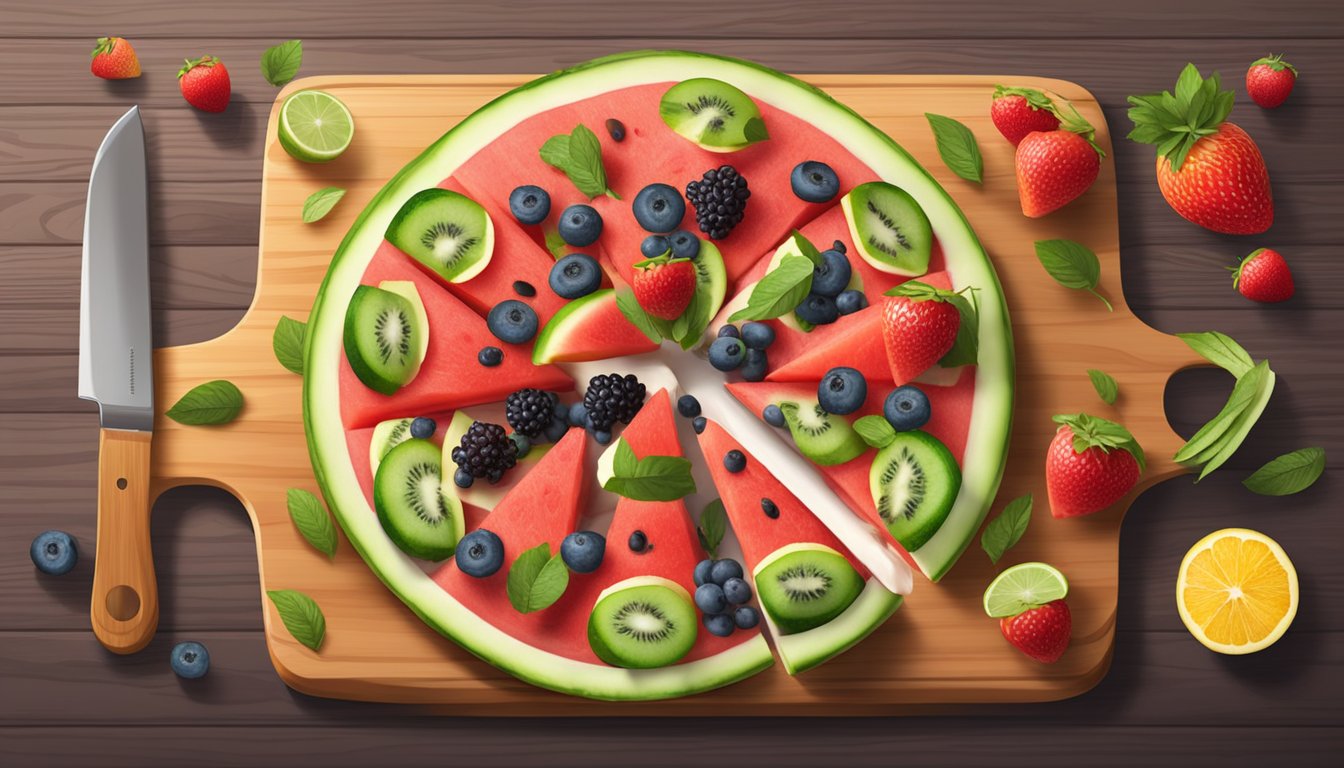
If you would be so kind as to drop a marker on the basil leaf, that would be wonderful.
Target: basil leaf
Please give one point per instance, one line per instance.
(957, 147)
(214, 402)
(875, 431)
(1289, 473)
(312, 520)
(797, 244)
(624, 462)
(536, 579)
(280, 63)
(779, 292)
(654, 478)
(585, 162)
(1105, 385)
(320, 203)
(1006, 530)
(694, 320)
(1219, 349)
(713, 525)
(966, 348)
(300, 615)
(629, 306)
(287, 343)
(555, 151)
(1072, 265)
(1209, 435)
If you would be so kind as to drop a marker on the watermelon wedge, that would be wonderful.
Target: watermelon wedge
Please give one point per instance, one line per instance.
(590, 328)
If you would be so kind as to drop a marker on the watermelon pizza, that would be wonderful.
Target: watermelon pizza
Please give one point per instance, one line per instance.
(649, 360)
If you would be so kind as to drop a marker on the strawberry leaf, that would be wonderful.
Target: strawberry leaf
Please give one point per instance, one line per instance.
(1096, 432)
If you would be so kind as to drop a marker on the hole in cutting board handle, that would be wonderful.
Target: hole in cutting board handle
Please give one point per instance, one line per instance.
(121, 483)
(123, 602)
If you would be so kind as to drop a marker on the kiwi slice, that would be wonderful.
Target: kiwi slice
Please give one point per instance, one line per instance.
(914, 481)
(823, 437)
(889, 229)
(642, 623)
(713, 114)
(408, 494)
(407, 290)
(447, 232)
(382, 338)
(386, 436)
(802, 586)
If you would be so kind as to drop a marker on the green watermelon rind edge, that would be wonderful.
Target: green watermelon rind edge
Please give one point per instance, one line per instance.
(323, 344)
(805, 650)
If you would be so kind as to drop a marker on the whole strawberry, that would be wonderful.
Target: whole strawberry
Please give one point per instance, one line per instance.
(114, 59)
(1263, 276)
(919, 327)
(1054, 168)
(1042, 633)
(1270, 80)
(205, 84)
(1017, 112)
(664, 286)
(1209, 170)
(1092, 463)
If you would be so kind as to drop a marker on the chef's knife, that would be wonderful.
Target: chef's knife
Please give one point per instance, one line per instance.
(115, 371)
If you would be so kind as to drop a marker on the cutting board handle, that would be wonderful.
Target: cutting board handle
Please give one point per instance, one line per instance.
(125, 606)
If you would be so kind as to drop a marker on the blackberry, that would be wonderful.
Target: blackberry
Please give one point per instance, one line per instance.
(720, 199)
(485, 451)
(612, 397)
(530, 411)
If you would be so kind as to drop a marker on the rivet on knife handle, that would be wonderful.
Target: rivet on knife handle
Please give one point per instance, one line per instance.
(125, 606)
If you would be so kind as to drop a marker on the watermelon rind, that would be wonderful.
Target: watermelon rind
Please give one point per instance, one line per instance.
(804, 650)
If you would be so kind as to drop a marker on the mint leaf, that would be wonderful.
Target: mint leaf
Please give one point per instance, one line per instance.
(555, 152)
(713, 525)
(280, 63)
(779, 292)
(875, 431)
(797, 244)
(579, 156)
(214, 402)
(287, 343)
(957, 147)
(312, 520)
(652, 478)
(624, 461)
(1072, 265)
(1219, 349)
(1289, 473)
(1105, 385)
(320, 203)
(1004, 531)
(1205, 441)
(629, 306)
(536, 579)
(300, 615)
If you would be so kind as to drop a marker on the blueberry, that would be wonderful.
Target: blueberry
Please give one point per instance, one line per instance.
(737, 591)
(746, 617)
(684, 244)
(480, 553)
(735, 461)
(575, 276)
(615, 129)
(463, 478)
(580, 225)
(842, 391)
(520, 444)
(831, 276)
(556, 430)
(602, 436)
(757, 335)
(702, 571)
(422, 427)
(755, 365)
(727, 353)
(54, 552)
(770, 508)
(817, 309)
(490, 356)
(814, 181)
(709, 597)
(659, 208)
(583, 551)
(190, 660)
(849, 302)
(729, 331)
(578, 414)
(529, 204)
(773, 415)
(907, 408)
(688, 406)
(512, 321)
(560, 410)
(638, 542)
(718, 624)
(654, 246)
(723, 570)
(698, 424)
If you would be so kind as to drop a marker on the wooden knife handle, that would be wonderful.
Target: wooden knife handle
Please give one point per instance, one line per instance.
(125, 609)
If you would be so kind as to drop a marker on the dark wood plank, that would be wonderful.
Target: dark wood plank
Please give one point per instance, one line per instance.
(54, 331)
(181, 276)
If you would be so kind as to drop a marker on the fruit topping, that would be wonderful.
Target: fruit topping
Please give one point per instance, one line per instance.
(383, 338)
(803, 586)
(580, 225)
(849, 302)
(530, 204)
(746, 617)
(658, 208)
(755, 365)
(907, 408)
(582, 551)
(54, 552)
(612, 398)
(773, 416)
(914, 480)
(757, 335)
(818, 310)
(485, 451)
(698, 424)
(654, 246)
(920, 325)
(684, 244)
(842, 391)
(512, 321)
(832, 275)
(422, 516)
(664, 286)
(720, 200)
(824, 438)
(490, 356)
(814, 181)
(423, 427)
(480, 554)
(734, 461)
(449, 233)
(727, 352)
(729, 331)
(888, 228)
(530, 411)
(688, 406)
(575, 276)
(642, 623)
(713, 114)
(710, 598)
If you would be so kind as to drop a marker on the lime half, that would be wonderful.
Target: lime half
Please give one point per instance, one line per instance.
(1024, 587)
(315, 126)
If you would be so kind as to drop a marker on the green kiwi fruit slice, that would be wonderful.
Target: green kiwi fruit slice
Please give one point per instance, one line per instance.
(823, 437)
(448, 232)
(803, 586)
(386, 436)
(642, 623)
(382, 338)
(713, 114)
(914, 481)
(889, 229)
(408, 496)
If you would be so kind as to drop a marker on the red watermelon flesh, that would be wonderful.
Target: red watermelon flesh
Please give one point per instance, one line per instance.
(450, 377)
(601, 333)
(742, 493)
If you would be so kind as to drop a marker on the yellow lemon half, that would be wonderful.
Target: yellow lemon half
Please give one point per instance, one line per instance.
(1236, 591)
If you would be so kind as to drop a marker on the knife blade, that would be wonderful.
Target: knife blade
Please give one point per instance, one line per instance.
(116, 371)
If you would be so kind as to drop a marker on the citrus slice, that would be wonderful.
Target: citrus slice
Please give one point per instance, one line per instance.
(1024, 587)
(315, 126)
(1236, 591)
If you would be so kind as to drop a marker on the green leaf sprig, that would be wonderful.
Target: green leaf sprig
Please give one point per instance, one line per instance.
(311, 520)
(320, 203)
(301, 615)
(579, 156)
(875, 430)
(957, 147)
(1217, 440)
(211, 403)
(652, 478)
(780, 291)
(1072, 265)
(536, 579)
(1176, 121)
(1107, 388)
(712, 527)
(287, 343)
(1288, 474)
(1004, 531)
(280, 63)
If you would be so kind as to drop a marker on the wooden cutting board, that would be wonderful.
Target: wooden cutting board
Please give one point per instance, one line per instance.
(939, 647)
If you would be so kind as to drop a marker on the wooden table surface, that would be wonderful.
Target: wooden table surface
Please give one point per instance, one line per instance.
(64, 701)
